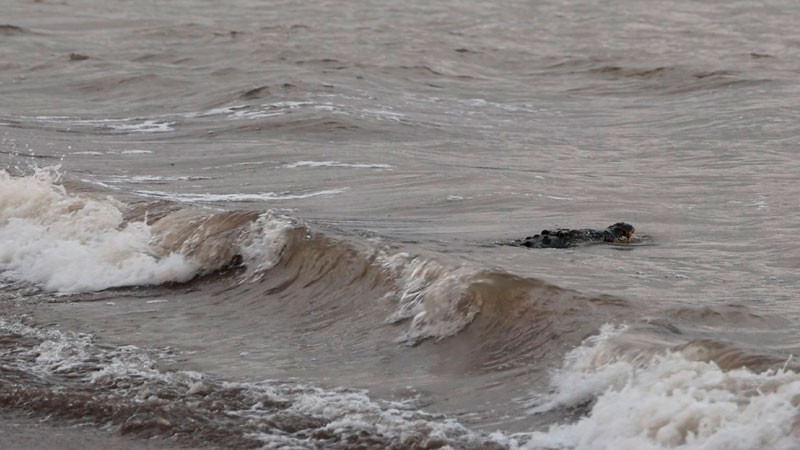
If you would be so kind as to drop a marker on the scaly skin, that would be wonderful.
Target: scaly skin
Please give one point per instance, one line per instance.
(563, 238)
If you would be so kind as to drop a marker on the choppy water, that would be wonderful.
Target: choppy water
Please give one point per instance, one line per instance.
(275, 225)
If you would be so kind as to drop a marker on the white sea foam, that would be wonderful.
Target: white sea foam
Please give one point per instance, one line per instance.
(558, 198)
(382, 114)
(154, 179)
(88, 153)
(243, 114)
(297, 164)
(208, 198)
(432, 295)
(147, 126)
(70, 243)
(668, 401)
(217, 111)
(99, 183)
(262, 247)
(65, 351)
(128, 125)
(348, 410)
(135, 152)
(250, 112)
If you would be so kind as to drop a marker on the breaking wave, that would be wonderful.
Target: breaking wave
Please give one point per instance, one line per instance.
(70, 243)
(667, 399)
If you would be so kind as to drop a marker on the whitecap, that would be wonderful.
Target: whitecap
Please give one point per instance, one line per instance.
(667, 400)
(88, 153)
(148, 126)
(70, 243)
(135, 152)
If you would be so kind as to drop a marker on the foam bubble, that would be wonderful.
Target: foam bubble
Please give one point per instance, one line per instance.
(154, 179)
(69, 243)
(148, 126)
(434, 296)
(88, 153)
(126, 125)
(262, 247)
(669, 401)
(135, 152)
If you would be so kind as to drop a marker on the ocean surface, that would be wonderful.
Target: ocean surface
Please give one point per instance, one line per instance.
(280, 224)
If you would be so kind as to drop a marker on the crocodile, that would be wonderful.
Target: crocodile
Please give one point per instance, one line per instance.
(564, 237)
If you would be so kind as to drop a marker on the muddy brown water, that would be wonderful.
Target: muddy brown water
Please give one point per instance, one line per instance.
(277, 225)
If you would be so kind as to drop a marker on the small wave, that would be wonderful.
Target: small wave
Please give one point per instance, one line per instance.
(11, 30)
(255, 92)
(258, 112)
(435, 297)
(622, 72)
(215, 111)
(675, 79)
(509, 316)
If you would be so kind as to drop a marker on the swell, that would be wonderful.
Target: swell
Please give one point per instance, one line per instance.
(334, 285)
(273, 265)
(266, 265)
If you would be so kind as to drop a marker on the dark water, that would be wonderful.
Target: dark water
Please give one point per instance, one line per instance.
(276, 225)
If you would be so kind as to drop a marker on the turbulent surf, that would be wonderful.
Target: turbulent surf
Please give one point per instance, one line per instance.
(281, 228)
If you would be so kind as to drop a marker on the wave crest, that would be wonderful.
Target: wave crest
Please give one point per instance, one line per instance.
(668, 399)
(70, 243)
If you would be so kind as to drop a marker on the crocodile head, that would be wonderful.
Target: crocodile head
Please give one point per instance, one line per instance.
(621, 232)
